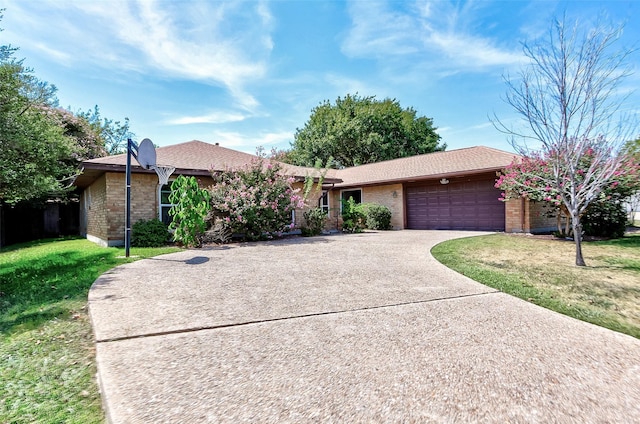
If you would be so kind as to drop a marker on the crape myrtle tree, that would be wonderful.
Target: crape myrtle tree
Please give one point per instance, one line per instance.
(358, 130)
(256, 200)
(533, 178)
(568, 100)
(632, 149)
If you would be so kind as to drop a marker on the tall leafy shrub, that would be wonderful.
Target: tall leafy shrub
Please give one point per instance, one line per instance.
(256, 200)
(315, 219)
(605, 218)
(191, 206)
(353, 218)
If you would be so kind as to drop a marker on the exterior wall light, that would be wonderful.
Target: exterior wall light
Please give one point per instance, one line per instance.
(444, 181)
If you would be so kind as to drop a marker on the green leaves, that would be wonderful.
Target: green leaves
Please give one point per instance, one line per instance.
(256, 201)
(191, 206)
(358, 130)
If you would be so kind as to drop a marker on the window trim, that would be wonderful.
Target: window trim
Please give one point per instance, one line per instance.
(322, 205)
(347, 190)
(160, 204)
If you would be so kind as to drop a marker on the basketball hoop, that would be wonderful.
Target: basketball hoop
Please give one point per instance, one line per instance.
(164, 172)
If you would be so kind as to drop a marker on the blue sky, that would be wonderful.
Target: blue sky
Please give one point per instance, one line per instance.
(248, 73)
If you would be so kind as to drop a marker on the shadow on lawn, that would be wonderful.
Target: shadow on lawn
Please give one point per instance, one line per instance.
(35, 291)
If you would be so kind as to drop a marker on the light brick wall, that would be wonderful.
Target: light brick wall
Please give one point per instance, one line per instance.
(144, 202)
(382, 195)
(539, 223)
(105, 204)
(390, 196)
(94, 204)
(312, 202)
(516, 216)
(522, 215)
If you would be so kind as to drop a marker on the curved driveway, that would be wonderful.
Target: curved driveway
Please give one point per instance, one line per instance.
(345, 328)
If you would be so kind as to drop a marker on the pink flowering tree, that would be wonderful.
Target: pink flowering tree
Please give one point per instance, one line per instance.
(593, 181)
(256, 200)
(572, 110)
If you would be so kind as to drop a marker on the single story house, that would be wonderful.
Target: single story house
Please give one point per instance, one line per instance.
(443, 190)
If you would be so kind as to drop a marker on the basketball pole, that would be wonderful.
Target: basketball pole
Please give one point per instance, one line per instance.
(132, 149)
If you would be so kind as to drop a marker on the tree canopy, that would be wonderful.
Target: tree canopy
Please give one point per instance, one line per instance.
(358, 130)
(34, 152)
(114, 134)
(42, 144)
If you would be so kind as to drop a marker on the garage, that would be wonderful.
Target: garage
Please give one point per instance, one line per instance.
(463, 204)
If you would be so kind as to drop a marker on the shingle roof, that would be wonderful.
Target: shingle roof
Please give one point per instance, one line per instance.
(200, 157)
(195, 154)
(471, 160)
(190, 158)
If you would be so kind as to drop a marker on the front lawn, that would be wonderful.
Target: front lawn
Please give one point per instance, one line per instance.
(47, 358)
(542, 271)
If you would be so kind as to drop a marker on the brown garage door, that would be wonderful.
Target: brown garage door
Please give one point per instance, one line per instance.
(459, 205)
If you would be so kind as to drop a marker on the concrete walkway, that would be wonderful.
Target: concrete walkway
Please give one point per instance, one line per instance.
(345, 328)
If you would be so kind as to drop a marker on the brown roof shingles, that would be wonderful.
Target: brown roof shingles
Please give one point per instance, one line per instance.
(471, 160)
(196, 155)
(201, 157)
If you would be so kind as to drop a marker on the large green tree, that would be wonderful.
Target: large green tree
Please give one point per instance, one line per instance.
(114, 134)
(357, 130)
(34, 152)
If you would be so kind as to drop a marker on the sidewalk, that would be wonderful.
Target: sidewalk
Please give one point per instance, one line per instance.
(357, 328)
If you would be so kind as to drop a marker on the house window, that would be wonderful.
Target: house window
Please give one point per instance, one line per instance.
(323, 202)
(165, 205)
(356, 194)
(346, 194)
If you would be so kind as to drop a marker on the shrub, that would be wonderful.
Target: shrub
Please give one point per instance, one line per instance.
(191, 206)
(255, 200)
(605, 219)
(149, 233)
(353, 218)
(377, 217)
(314, 219)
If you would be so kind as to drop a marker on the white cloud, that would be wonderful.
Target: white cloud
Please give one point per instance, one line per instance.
(437, 35)
(210, 42)
(249, 142)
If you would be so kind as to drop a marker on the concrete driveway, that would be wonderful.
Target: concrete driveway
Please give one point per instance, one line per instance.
(345, 328)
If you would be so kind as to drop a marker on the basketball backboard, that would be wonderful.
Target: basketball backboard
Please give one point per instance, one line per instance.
(146, 156)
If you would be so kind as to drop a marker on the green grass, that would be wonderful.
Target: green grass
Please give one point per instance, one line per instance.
(47, 365)
(542, 271)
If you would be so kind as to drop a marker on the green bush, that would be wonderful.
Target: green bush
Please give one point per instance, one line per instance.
(315, 219)
(377, 217)
(189, 211)
(353, 218)
(149, 233)
(605, 219)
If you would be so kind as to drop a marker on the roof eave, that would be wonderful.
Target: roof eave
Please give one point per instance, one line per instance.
(420, 178)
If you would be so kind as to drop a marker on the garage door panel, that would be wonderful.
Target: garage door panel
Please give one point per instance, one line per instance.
(467, 205)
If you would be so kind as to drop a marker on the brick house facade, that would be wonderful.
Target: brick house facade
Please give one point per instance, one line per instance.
(442, 190)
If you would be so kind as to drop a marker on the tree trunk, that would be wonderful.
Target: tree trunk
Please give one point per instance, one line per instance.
(577, 237)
